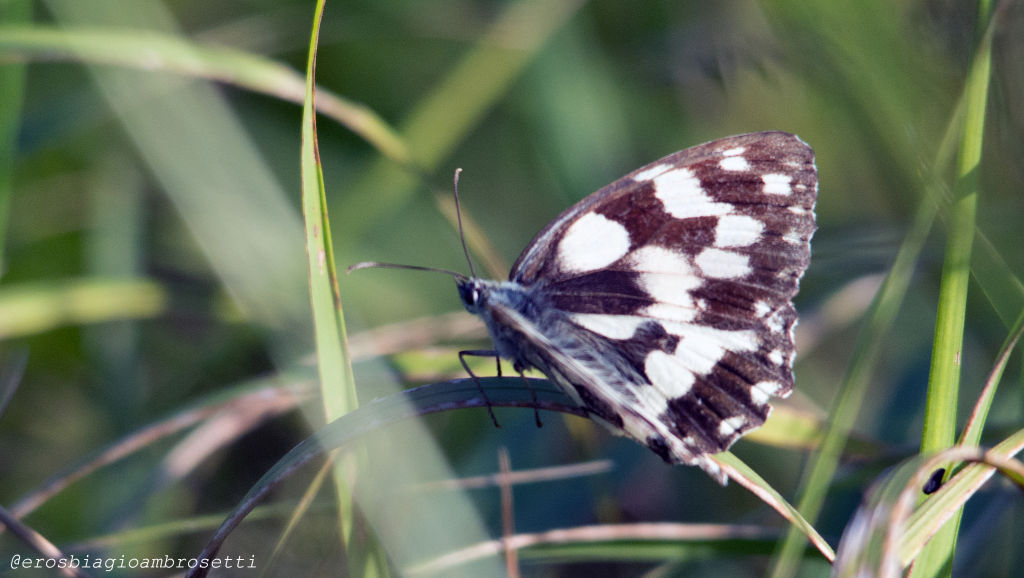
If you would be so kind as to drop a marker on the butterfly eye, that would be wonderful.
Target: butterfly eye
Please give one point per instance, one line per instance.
(470, 293)
(472, 296)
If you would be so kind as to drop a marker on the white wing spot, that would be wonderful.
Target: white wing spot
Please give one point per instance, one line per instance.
(775, 356)
(683, 196)
(731, 425)
(610, 326)
(666, 312)
(671, 289)
(699, 349)
(592, 242)
(721, 264)
(735, 151)
(776, 184)
(737, 231)
(668, 374)
(734, 164)
(763, 391)
(658, 259)
(665, 275)
(648, 174)
(762, 308)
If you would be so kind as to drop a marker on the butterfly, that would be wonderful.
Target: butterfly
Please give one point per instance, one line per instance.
(662, 303)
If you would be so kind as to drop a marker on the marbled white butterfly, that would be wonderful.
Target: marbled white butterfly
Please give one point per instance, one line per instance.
(662, 302)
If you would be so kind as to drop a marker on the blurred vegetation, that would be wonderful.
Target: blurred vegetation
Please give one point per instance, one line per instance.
(154, 286)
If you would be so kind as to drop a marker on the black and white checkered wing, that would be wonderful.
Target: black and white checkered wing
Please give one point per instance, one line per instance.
(665, 297)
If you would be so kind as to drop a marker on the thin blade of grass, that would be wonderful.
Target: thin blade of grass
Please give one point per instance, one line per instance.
(12, 93)
(882, 537)
(202, 158)
(748, 478)
(944, 504)
(170, 528)
(267, 393)
(31, 308)
(517, 477)
(944, 379)
(870, 81)
(609, 542)
(476, 83)
(153, 51)
(971, 435)
(870, 341)
(997, 279)
(12, 369)
(114, 249)
(40, 544)
(337, 383)
(301, 508)
(336, 379)
(445, 396)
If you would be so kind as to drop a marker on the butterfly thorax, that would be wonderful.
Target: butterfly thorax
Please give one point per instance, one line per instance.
(481, 297)
(527, 330)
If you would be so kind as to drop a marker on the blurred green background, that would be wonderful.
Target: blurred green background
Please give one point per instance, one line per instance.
(152, 258)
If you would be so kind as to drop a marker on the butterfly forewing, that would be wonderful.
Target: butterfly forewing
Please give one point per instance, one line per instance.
(663, 301)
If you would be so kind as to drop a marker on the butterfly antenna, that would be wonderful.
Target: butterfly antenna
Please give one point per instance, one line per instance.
(458, 217)
(379, 265)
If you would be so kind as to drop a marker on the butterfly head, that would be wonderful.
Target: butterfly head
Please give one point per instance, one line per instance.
(471, 291)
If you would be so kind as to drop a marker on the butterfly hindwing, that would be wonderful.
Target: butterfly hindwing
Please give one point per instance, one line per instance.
(662, 302)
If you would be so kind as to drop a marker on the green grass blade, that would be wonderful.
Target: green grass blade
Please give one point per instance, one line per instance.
(341, 433)
(476, 83)
(612, 543)
(869, 344)
(336, 380)
(940, 416)
(886, 528)
(337, 383)
(12, 91)
(31, 308)
(385, 412)
(943, 384)
(278, 393)
(946, 503)
(201, 157)
(976, 423)
(157, 52)
(743, 474)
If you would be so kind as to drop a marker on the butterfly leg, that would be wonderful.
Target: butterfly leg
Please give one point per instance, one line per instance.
(476, 380)
(533, 394)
